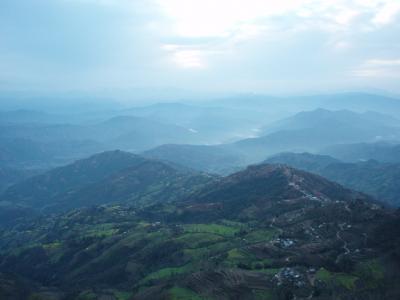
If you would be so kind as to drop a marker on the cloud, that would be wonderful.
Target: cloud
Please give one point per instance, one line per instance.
(222, 18)
(387, 14)
(379, 68)
(198, 44)
(209, 18)
(229, 23)
(187, 57)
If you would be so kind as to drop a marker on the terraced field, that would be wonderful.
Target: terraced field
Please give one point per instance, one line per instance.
(335, 245)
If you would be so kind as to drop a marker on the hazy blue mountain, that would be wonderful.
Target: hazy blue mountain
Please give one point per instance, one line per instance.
(380, 151)
(360, 102)
(9, 176)
(137, 134)
(305, 131)
(353, 101)
(27, 116)
(283, 106)
(378, 123)
(212, 159)
(15, 150)
(103, 131)
(42, 132)
(225, 120)
(304, 161)
(56, 144)
(313, 130)
(381, 180)
(22, 153)
(214, 124)
(13, 215)
(56, 103)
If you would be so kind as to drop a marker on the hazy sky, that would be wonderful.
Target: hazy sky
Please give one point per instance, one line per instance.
(204, 45)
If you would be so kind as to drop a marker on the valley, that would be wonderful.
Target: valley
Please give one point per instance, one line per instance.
(178, 218)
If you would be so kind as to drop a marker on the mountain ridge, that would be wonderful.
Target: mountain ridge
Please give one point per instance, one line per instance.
(378, 179)
(89, 181)
(297, 235)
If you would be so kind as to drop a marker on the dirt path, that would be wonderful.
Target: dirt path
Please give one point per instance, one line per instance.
(345, 244)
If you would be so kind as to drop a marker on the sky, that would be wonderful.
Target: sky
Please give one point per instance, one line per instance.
(261, 46)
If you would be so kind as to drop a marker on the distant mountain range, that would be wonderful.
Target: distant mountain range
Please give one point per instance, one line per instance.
(380, 151)
(335, 119)
(27, 116)
(359, 102)
(47, 145)
(108, 131)
(305, 131)
(273, 124)
(313, 130)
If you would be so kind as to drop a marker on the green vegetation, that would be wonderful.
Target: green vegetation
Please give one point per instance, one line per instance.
(166, 273)
(123, 252)
(346, 280)
(198, 239)
(262, 235)
(371, 272)
(223, 230)
(197, 253)
(207, 251)
(236, 254)
(102, 232)
(323, 275)
(179, 293)
(52, 246)
(87, 295)
(90, 295)
(263, 295)
(123, 295)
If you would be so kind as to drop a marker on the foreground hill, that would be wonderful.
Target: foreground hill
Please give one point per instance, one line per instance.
(113, 176)
(250, 193)
(381, 180)
(268, 232)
